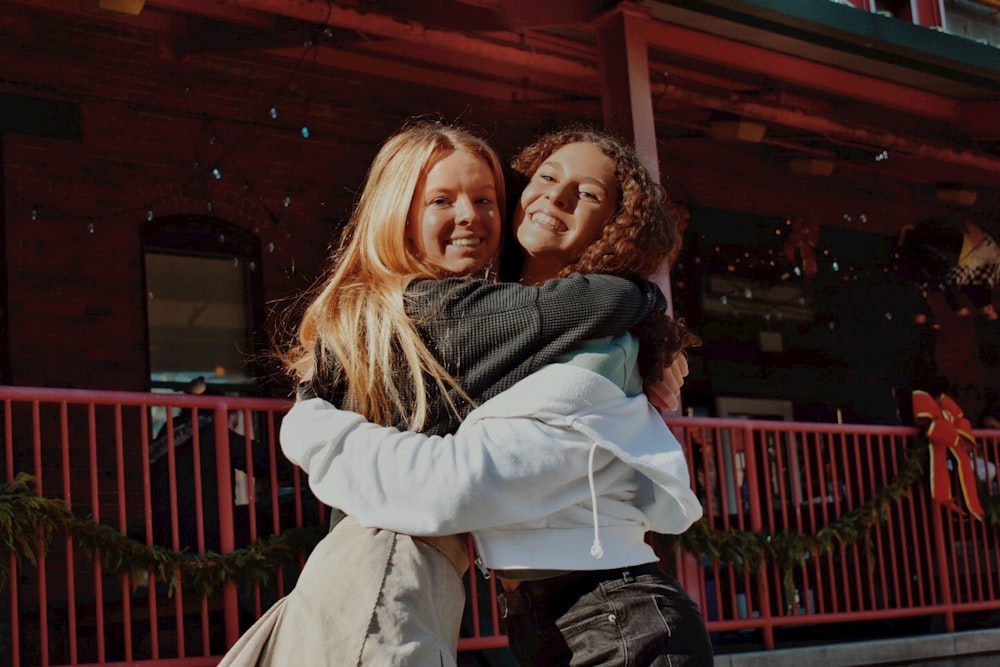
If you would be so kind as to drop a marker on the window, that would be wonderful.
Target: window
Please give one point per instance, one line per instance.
(202, 305)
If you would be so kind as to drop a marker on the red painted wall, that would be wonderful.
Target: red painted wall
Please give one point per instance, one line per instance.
(152, 121)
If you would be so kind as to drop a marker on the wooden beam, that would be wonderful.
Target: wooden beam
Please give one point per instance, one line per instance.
(216, 11)
(387, 27)
(791, 69)
(987, 165)
(539, 14)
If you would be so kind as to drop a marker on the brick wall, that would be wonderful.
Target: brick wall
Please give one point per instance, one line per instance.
(153, 123)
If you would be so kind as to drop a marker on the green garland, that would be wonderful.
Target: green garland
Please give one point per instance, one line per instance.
(789, 549)
(28, 521)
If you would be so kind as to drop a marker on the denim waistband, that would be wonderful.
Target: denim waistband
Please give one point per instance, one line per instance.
(520, 600)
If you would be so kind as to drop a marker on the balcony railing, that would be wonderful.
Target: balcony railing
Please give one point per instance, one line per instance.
(806, 527)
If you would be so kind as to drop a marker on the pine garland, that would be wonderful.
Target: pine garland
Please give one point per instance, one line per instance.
(789, 549)
(28, 521)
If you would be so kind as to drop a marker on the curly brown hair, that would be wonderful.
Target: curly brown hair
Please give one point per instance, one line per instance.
(643, 234)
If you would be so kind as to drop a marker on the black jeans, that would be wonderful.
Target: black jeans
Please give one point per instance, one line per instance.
(630, 617)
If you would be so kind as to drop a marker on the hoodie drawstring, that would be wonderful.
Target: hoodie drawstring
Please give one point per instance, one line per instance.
(596, 550)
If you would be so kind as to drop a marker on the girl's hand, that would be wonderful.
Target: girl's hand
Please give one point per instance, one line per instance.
(666, 394)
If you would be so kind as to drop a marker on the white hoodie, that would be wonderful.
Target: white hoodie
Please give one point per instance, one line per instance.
(522, 473)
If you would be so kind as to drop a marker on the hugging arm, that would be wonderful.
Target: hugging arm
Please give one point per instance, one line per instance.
(435, 485)
(492, 335)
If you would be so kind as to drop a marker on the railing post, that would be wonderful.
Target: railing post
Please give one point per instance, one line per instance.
(227, 537)
(691, 576)
(688, 568)
(756, 493)
(941, 552)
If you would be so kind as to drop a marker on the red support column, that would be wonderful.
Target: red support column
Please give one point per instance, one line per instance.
(626, 98)
(627, 103)
(928, 13)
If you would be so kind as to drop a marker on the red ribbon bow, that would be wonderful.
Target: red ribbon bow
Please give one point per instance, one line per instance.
(948, 431)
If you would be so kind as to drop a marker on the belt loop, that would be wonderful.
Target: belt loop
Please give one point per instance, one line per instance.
(513, 603)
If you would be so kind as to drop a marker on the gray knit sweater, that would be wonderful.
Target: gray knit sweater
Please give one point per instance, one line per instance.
(491, 335)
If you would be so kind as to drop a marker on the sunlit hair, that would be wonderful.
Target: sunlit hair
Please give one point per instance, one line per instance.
(642, 235)
(355, 333)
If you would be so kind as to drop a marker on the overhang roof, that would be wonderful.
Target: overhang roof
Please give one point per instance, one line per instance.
(897, 108)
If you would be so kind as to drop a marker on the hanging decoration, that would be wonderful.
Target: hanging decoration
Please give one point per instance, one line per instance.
(801, 241)
(962, 261)
(948, 430)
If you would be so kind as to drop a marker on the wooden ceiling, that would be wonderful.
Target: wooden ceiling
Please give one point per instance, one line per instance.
(893, 122)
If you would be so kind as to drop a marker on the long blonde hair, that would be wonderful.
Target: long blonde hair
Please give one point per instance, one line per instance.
(355, 333)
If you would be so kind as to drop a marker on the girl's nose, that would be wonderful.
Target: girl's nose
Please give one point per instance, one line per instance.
(559, 195)
(465, 211)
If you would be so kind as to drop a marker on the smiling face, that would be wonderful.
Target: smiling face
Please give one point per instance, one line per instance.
(455, 221)
(571, 196)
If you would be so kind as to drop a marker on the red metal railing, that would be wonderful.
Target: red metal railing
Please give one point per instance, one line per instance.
(100, 453)
(790, 480)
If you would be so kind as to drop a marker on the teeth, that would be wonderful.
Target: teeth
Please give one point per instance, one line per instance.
(548, 221)
(466, 242)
